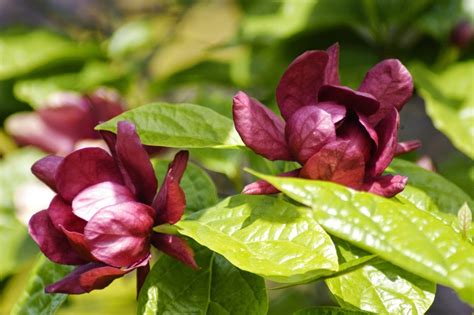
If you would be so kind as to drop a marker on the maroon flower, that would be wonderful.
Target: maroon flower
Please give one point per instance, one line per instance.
(103, 215)
(335, 133)
(67, 118)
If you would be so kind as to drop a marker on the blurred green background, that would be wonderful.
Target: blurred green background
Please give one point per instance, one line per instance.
(203, 52)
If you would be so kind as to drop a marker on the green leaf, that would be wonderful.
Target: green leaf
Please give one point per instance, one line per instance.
(465, 219)
(180, 126)
(12, 236)
(25, 52)
(264, 235)
(216, 288)
(198, 187)
(329, 310)
(380, 287)
(449, 101)
(402, 234)
(447, 196)
(34, 300)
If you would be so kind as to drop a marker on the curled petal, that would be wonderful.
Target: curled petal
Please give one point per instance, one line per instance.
(391, 83)
(89, 201)
(51, 241)
(170, 202)
(61, 215)
(308, 130)
(30, 129)
(134, 163)
(118, 235)
(84, 168)
(359, 101)
(332, 69)
(407, 146)
(175, 247)
(178, 165)
(386, 186)
(46, 169)
(260, 129)
(86, 278)
(370, 130)
(262, 187)
(337, 162)
(337, 111)
(387, 133)
(105, 104)
(79, 243)
(299, 85)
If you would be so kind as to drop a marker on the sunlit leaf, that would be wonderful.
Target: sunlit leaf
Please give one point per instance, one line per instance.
(330, 310)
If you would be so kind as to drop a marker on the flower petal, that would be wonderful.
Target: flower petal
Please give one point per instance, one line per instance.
(134, 163)
(175, 247)
(52, 242)
(86, 278)
(170, 202)
(30, 129)
(260, 129)
(61, 215)
(407, 146)
(299, 85)
(391, 84)
(178, 165)
(368, 127)
(337, 111)
(105, 104)
(332, 69)
(79, 243)
(118, 235)
(84, 168)
(387, 186)
(387, 133)
(261, 187)
(308, 130)
(337, 162)
(359, 101)
(46, 170)
(89, 201)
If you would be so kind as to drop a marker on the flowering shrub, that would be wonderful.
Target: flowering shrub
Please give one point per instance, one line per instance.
(337, 134)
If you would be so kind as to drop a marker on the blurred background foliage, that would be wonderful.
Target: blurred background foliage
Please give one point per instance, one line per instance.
(203, 52)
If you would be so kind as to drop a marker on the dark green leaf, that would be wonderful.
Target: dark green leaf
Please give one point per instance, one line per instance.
(402, 234)
(264, 235)
(198, 187)
(329, 310)
(216, 288)
(180, 126)
(34, 301)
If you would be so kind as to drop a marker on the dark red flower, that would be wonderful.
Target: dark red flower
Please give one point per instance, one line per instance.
(67, 118)
(335, 133)
(103, 215)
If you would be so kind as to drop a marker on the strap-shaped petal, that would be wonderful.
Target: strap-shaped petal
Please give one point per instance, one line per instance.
(261, 187)
(175, 247)
(299, 85)
(170, 203)
(52, 242)
(332, 68)
(388, 136)
(46, 170)
(84, 168)
(386, 186)
(308, 130)
(260, 129)
(118, 235)
(407, 146)
(86, 278)
(391, 84)
(134, 163)
(358, 101)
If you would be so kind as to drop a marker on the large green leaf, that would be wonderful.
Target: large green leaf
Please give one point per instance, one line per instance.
(34, 301)
(449, 101)
(264, 235)
(24, 52)
(381, 288)
(216, 288)
(198, 187)
(179, 125)
(447, 196)
(330, 310)
(402, 234)
(12, 236)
